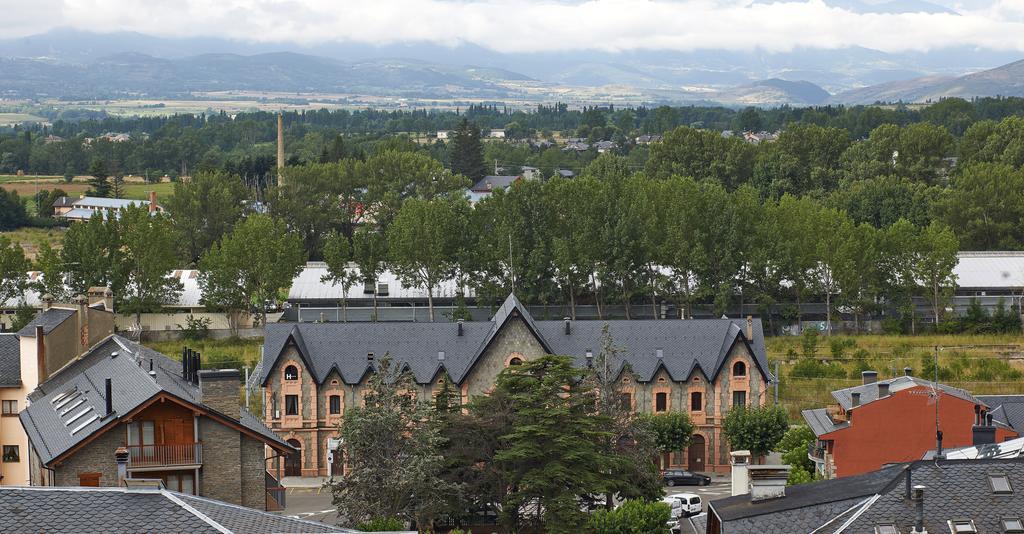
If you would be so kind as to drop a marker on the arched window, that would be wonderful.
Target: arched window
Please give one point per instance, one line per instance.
(291, 373)
(739, 369)
(515, 361)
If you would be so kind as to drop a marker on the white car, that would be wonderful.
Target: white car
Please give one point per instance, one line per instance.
(683, 505)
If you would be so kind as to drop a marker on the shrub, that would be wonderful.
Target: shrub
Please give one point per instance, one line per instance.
(381, 524)
(632, 517)
(196, 328)
(839, 345)
(809, 343)
(859, 367)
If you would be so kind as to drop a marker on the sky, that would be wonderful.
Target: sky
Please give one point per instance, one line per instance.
(515, 26)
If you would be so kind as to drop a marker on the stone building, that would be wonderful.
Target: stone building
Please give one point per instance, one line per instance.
(168, 420)
(313, 372)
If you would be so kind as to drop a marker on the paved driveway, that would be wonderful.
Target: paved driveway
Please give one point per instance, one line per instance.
(720, 487)
(310, 504)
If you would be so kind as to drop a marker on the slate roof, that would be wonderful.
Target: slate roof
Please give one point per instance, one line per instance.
(10, 360)
(495, 182)
(869, 392)
(49, 319)
(686, 345)
(53, 433)
(821, 423)
(119, 510)
(954, 489)
(1006, 409)
(1011, 448)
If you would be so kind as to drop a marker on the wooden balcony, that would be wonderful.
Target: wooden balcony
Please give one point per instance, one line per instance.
(177, 454)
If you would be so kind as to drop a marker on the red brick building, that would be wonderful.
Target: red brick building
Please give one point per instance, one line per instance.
(887, 421)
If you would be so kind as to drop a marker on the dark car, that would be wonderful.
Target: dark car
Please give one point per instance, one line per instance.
(678, 477)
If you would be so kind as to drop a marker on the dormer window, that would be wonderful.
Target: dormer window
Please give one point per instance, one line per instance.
(291, 373)
(739, 369)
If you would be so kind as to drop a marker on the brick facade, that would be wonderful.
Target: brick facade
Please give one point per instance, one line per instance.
(313, 426)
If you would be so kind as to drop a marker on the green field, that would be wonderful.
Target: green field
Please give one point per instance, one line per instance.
(30, 239)
(981, 364)
(11, 119)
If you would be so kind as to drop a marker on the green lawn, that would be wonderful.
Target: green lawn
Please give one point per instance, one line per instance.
(141, 191)
(217, 353)
(18, 118)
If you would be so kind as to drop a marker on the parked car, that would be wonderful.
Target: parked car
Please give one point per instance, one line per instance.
(678, 477)
(683, 505)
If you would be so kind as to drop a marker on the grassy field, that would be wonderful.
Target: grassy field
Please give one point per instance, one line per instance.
(981, 364)
(217, 353)
(30, 239)
(11, 119)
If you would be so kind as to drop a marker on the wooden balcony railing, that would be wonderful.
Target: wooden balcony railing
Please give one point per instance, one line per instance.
(165, 455)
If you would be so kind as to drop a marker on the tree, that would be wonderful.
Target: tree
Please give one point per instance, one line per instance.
(756, 429)
(204, 208)
(984, 206)
(12, 210)
(672, 430)
(423, 241)
(148, 255)
(552, 453)
(793, 446)
(370, 252)
(13, 269)
(938, 248)
(392, 451)
(317, 199)
(631, 441)
(53, 272)
(338, 255)
(91, 255)
(467, 155)
(248, 266)
(392, 177)
(99, 184)
(633, 516)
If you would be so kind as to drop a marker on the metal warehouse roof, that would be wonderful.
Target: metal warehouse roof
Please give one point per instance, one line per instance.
(308, 285)
(990, 269)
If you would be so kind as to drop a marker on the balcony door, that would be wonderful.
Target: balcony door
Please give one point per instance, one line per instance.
(141, 438)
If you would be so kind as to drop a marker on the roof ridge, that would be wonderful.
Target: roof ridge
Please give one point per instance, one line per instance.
(199, 515)
(224, 504)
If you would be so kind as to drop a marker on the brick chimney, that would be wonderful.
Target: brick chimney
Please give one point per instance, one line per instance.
(750, 327)
(41, 354)
(152, 201)
(983, 432)
(280, 142)
(220, 389)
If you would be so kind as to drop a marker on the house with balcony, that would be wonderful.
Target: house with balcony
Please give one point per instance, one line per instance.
(179, 424)
(900, 419)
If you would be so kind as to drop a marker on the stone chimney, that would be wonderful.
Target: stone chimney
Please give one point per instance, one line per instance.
(750, 328)
(740, 462)
(855, 399)
(768, 482)
(121, 457)
(152, 201)
(918, 497)
(47, 301)
(869, 377)
(102, 294)
(41, 353)
(883, 389)
(82, 317)
(220, 389)
(907, 371)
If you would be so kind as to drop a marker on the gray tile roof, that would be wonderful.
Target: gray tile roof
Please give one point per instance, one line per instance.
(820, 422)
(10, 360)
(1011, 448)
(686, 345)
(869, 392)
(954, 489)
(51, 432)
(495, 183)
(49, 319)
(1006, 409)
(117, 510)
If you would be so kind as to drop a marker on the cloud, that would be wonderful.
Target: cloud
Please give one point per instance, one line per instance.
(535, 25)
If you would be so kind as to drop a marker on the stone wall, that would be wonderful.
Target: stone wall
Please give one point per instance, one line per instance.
(96, 457)
(253, 466)
(221, 462)
(514, 338)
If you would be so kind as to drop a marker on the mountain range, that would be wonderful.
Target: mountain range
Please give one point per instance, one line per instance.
(74, 64)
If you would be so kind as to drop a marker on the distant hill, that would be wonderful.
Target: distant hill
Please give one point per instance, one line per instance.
(136, 73)
(774, 92)
(1007, 80)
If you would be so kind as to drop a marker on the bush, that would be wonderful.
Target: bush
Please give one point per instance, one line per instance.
(859, 367)
(809, 342)
(632, 517)
(381, 524)
(839, 345)
(196, 328)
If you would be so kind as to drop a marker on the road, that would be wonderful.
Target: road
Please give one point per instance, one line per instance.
(719, 488)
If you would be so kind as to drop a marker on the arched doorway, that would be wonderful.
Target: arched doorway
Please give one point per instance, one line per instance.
(695, 454)
(293, 462)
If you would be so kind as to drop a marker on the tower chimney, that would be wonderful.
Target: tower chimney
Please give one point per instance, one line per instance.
(152, 201)
(280, 146)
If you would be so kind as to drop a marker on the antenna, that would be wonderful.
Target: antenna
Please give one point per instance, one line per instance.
(511, 266)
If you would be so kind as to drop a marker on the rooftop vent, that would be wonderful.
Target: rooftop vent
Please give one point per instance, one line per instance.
(855, 398)
(883, 389)
(440, 355)
(460, 326)
(907, 371)
(369, 356)
(869, 377)
(568, 327)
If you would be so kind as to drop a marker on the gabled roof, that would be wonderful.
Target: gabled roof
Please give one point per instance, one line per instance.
(1006, 409)
(10, 360)
(49, 319)
(73, 510)
(869, 392)
(54, 429)
(954, 490)
(686, 346)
